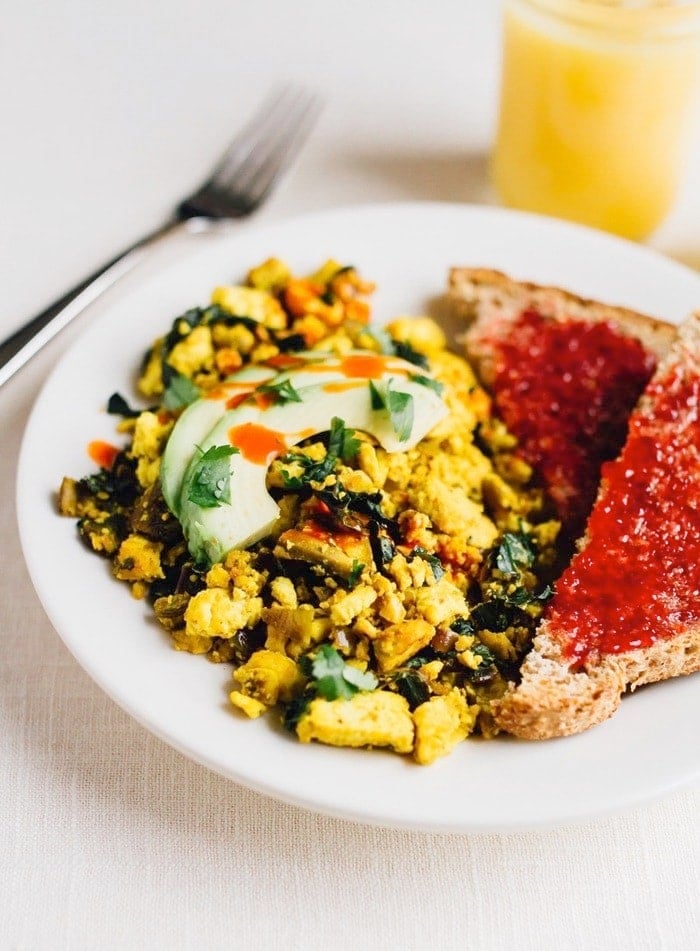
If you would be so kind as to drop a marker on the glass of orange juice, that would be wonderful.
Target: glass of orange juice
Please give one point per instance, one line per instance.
(598, 99)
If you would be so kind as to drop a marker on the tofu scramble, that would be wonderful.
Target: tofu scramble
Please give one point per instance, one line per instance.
(392, 589)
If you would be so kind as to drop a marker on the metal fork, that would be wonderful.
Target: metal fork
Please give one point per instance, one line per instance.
(246, 174)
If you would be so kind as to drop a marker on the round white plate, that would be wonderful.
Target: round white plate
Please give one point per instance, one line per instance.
(647, 749)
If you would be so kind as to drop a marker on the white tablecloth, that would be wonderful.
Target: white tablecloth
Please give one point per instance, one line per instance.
(108, 838)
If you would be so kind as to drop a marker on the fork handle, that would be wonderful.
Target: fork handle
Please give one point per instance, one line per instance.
(25, 342)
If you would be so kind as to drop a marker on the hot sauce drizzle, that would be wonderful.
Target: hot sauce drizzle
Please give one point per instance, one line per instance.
(368, 366)
(638, 579)
(565, 390)
(102, 453)
(257, 443)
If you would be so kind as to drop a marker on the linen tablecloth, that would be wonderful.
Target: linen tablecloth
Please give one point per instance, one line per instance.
(109, 838)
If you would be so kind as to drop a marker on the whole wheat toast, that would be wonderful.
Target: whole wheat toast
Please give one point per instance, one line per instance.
(560, 692)
(494, 307)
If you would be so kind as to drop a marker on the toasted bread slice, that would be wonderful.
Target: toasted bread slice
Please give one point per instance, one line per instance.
(565, 373)
(491, 301)
(626, 612)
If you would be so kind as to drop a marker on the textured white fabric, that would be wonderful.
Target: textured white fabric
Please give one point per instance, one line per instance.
(108, 838)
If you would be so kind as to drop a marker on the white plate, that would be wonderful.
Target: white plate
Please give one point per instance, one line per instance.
(647, 749)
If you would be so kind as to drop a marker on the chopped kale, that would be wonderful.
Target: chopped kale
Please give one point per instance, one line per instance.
(183, 325)
(514, 553)
(522, 596)
(412, 687)
(116, 486)
(498, 615)
(118, 406)
(462, 625)
(433, 561)
(342, 444)
(295, 710)
(383, 549)
(403, 349)
(288, 343)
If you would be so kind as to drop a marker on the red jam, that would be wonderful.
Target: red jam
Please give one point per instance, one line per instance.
(638, 579)
(565, 390)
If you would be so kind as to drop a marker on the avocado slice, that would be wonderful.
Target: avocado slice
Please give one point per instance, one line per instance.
(196, 421)
(259, 433)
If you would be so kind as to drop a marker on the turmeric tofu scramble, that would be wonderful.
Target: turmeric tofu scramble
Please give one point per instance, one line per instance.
(331, 509)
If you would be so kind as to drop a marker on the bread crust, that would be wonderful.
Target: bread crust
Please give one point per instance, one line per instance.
(489, 301)
(554, 699)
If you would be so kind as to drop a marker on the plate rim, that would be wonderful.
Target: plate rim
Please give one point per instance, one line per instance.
(257, 229)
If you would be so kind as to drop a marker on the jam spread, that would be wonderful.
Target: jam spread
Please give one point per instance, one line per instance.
(565, 390)
(638, 579)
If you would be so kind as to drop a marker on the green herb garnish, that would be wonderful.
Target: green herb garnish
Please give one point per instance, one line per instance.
(283, 392)
(427, 381)
(342, 444)
(399, 405)
(377, 399)
(211, 482)
(180, 391)
(355, 573)
(334, 679)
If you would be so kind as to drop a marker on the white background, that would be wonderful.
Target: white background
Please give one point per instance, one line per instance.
(109, 113)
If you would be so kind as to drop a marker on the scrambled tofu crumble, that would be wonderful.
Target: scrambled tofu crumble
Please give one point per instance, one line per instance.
(397, 593)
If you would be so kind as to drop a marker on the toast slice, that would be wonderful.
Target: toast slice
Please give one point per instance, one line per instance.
(564, 372)
(626, 611)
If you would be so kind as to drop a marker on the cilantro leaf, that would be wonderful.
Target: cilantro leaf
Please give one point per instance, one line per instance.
(342, 443)
(335, 679)
(514, 552)
(180, 391)
(211, 485)
(428, 381)
(399, 405)
(283, 392)
(376, 397)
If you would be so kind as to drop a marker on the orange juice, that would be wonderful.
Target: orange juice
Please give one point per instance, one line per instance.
(597, 100)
